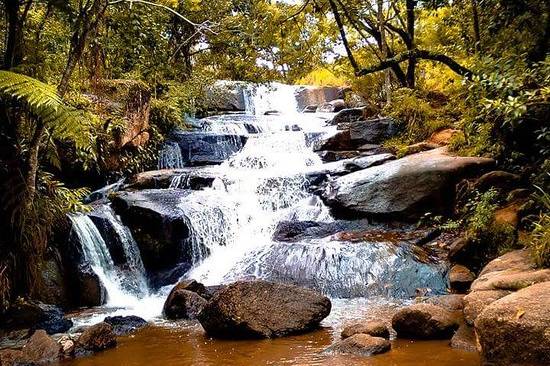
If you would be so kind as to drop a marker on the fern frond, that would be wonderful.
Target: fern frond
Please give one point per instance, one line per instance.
(42, 101)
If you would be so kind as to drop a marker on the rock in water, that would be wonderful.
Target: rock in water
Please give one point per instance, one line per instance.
(36, 315)
(425, 321)
(41, 349)
(477, 301)
(124, 325)
(406, 187)
(515, 330)
(372, 328)
(183, 304)
(96, 338)
(261, 309)
(360, 345)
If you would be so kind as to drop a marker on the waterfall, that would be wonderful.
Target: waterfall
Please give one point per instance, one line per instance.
(170, 156)
(96, 253)
(263, 98)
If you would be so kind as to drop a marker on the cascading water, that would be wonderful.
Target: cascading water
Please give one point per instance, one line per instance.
(170, 156)
(231, 222)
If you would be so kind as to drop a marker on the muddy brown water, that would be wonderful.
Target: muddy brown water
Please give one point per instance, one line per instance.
(185, 345)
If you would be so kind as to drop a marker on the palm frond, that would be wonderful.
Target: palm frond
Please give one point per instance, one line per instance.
(42, 101)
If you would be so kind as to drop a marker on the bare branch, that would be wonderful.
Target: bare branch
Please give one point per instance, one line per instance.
(418, 54)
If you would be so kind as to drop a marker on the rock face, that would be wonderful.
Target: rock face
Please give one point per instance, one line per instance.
(425, 321)
(261, 309)
(360, 345)
(372, 328)
(204, 148)
(91, 291)
(464, 339)
(406, 187)
(193, 177)
(183, 304)
(226, 96)
(460, 278)
(313, 95)
(449, 302)
(53, 287)
(515, 329)
(477, 301)
(124, 325)
(348, 115)
(96, 338)
(333, 106)
(157, 224)
(36, 315)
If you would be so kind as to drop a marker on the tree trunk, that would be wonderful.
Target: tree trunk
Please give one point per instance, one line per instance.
(475, 23)
(411, 5)
(33, 163)
(384, 49)
(343, 35)
(87, 21)
(14, 40)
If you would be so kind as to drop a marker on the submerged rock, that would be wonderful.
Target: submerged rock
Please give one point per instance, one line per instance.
(515, 329)
(124, 325)
(360, 345)
(406, 187)
(98, 337)
(261, 309)
(425, 321)
(372, 328)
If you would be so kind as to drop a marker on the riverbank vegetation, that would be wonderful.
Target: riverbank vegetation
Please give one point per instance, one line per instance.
(75, 73)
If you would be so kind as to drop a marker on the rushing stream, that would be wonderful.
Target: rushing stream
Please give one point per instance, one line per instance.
(261, 182)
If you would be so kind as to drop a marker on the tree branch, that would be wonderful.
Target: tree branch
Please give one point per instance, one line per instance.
(418, 54)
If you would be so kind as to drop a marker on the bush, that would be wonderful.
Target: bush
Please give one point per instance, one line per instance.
(540, 237)
(166, 115)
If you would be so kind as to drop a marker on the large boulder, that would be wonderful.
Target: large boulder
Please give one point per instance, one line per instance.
(372, 328)
(460, 278)
(96, 338)
(35, 315)
(261, 309)
(158, 224)
(452, 302)
(360, 345)
(348, 115)
(52, 287)
(40, 349)
(191, 178)
(205, 148)
(333, 106)
(183, 304)
(406, 187)
(90, 289)
(373, 131)
(475, 302)
(226, 96)
(514, 330)
(464, 339)
(315, 95)
(425, 321)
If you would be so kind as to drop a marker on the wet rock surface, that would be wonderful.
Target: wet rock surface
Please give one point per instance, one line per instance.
(425, 321)
(360, 345)
(514, 329)
(204, 148)
(183, 304)
(261, 309)
(372, 328)
(98, 337)
(405, 188)
(124, 325)
(35, 315)
(464, 339)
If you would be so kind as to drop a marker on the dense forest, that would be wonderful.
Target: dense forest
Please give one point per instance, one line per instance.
(91, 90)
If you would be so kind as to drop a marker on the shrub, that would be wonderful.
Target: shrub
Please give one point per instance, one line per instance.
(540, 237)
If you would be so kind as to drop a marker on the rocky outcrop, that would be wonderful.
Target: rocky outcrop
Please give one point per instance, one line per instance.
(206, 148)
(261, 309)
(53, 286)
(514, 330)
(124, 325)
(425, 321)
(354, 135)
(90, 290)
(405, 188)
(190, 178)
(450, 302)
(40, 349)
(35, 315)
(98, 337)
(360, 345)
(372, 328)
(315, 95)
(226, 96)
(157, 223)
(333, 106)
(477, 301)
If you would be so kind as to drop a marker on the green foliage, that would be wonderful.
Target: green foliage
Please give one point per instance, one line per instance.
(42, 101)
(322, 77)
(540, 237)
(419, 115)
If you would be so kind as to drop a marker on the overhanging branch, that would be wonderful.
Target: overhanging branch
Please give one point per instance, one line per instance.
(418, 54)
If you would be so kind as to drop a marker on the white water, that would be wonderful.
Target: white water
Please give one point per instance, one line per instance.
(170, 156)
